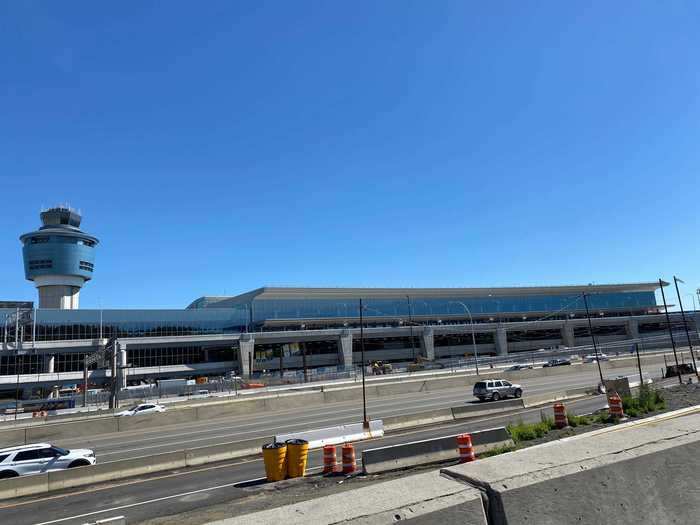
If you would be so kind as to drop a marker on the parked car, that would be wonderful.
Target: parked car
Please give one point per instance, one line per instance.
(592, 358)
(143, 408)
(517, 367)
(41, 457)
(495, 389)
(556, 362)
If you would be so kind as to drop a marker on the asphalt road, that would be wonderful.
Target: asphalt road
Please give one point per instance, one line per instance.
(176, 492)
(111, 447)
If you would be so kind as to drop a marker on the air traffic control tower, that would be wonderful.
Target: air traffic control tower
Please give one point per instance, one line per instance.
(59, 258)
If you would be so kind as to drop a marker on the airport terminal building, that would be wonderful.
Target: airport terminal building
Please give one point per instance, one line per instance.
(291, 329)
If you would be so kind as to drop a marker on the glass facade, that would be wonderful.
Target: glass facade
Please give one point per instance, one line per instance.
(271, 309)
(53, 325)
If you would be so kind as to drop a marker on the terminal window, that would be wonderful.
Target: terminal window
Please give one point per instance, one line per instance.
(87, 266)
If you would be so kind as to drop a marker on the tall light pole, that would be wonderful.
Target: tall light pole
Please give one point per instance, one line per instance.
(693, 298)
(471, 323)
(595, 346)
(676, 280)
(670, 329)
(365, 421)
(410, 323)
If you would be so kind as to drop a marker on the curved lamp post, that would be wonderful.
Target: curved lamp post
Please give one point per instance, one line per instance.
(471, 323)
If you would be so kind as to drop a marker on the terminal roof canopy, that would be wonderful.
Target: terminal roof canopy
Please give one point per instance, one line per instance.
(394, 293)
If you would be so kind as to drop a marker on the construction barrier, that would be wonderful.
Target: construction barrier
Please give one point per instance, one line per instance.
(349, 464)
(275, 458)
(329, 459)
(427, 451)
(465, 447)
(560, 420)
(297, 454)
(615, 404)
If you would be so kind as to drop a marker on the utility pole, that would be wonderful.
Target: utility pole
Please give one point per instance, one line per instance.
(595, 346)
(365, 421)
(676, 280)
(670, 330)
(410, 323)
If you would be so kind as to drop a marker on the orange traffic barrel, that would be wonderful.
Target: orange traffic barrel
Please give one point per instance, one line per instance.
(275, 459)
(560, 420)
(348, 458)
(329, 459)
(297, 455)
(615, 404)
(466, 450)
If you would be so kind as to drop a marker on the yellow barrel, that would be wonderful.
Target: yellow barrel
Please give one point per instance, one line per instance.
(297, 454)
(275, 458)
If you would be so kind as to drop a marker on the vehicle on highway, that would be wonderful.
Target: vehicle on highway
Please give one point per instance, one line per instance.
(143, 408)
(202, 393)
(41, 457)
(517, 367)
(592, 358)
(495, 389)
(556, 362)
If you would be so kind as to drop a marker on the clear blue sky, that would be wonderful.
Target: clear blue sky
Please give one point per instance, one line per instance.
(218, 146)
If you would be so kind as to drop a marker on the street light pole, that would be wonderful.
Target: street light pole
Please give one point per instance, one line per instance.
(670, 329)
(365, 422)
(471, 323)
(676, 280)
(595, 346)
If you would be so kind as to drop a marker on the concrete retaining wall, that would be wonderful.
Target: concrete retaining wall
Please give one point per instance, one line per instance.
(428, 451)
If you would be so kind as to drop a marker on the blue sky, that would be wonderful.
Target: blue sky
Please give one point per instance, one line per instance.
(218, 146)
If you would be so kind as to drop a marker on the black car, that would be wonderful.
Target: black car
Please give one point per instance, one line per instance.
(556, 362)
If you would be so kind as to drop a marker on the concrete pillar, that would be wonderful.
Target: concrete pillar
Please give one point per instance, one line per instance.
(122, 370)
(501, 341)
(427, 344)
(205, 355)
(567, 335)
(632, 328)
(245, 354)
(50, 364)
(345, 350)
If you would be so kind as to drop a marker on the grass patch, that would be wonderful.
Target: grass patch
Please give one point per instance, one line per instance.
(646, 402)
(520, 432)
(579, 421)
(495, 451)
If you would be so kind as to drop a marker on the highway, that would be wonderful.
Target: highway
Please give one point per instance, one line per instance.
(199, 491)
(111, 447)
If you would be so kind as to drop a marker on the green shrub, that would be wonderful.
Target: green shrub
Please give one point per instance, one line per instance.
(529, 431)
(647, 401)
(578, 421)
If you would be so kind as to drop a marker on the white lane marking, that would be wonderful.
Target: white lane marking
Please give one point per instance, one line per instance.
(155, 500)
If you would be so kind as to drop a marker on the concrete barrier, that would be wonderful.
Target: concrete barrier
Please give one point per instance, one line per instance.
(24, 486)
(224, 451)
(430, 417)
(336, 435)
(647, 470)
(124, 468)
(424, 499)
(428, 451)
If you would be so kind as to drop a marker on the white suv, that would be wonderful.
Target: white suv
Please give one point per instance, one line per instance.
(42, 457)
(496, 389)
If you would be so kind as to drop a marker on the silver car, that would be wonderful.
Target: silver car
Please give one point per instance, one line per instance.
(495, 389)
(41, 457)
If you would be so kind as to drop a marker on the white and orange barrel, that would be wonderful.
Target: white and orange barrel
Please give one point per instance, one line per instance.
(466, 450)
(615, 404)
(329, 459)
(348, 452)
(560, 420)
